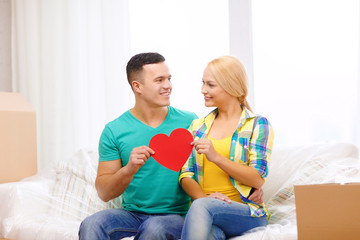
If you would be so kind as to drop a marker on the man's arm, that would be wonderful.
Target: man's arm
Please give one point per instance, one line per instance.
(112, 179)
(257, 196)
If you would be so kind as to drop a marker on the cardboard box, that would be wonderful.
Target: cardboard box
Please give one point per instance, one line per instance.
(328, 211)
(18, 153)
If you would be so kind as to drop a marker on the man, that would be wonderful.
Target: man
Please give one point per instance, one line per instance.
(153, 203)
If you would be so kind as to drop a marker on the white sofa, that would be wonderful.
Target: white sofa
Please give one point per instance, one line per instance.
(53, 207)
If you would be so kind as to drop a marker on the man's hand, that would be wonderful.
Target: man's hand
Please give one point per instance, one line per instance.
(257, 196)
(138, 157)
(112, 178)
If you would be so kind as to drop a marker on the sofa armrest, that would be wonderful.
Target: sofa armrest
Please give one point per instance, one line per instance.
(29, 196)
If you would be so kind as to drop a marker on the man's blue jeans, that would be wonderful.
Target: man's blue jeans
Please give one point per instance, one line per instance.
(119, 223)
(233, 219)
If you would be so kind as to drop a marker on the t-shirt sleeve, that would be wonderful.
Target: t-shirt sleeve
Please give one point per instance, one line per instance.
(108, 149)
(194, 116)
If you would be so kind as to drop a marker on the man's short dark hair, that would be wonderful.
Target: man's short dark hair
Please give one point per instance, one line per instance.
(136, 63)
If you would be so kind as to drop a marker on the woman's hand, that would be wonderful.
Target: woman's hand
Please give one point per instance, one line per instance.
(220, 196)
(205, 146)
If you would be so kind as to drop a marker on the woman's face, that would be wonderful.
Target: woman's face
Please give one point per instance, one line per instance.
(214, 94)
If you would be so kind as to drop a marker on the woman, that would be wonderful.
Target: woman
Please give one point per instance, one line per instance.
(232, 148)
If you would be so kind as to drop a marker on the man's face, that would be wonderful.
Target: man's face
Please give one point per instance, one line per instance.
(156, 86)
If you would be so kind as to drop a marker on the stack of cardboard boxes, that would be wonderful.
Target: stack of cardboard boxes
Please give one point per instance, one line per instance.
(18, 145)
(328, 211)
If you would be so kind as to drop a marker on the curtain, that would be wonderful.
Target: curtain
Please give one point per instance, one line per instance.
(69, 59)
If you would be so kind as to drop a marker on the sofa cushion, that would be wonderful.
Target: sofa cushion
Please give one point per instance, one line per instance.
(287, 160)
(326, 164)
(74, 196)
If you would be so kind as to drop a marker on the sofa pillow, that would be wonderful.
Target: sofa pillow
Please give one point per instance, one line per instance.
(282, 204)
(74, 196)
(287, 160)
(325, 166)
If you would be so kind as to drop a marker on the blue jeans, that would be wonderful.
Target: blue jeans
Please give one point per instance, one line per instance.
(119, 223)
(233, 219)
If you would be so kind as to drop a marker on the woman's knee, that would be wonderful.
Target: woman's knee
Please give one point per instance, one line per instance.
(201, 202)
(206, 203)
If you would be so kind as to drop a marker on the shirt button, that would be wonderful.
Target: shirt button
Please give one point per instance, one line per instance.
(231, 157)
(233, 140)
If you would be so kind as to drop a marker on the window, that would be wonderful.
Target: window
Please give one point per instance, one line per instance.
(189, 34)
(306, 68)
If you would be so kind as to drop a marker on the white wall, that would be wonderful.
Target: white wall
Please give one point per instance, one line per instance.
(306, 68)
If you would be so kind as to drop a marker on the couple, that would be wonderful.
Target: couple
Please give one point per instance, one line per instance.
(223, 175)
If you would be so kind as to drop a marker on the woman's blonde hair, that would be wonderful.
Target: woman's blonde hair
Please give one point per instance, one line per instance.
(230, 74)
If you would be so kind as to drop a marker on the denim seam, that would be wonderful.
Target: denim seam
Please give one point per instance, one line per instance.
(123, 230)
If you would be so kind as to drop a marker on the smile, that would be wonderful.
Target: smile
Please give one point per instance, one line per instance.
(165, 94)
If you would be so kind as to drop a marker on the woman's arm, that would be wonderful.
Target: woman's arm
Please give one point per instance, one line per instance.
(192, 188)
(260, 148)
(247, 175)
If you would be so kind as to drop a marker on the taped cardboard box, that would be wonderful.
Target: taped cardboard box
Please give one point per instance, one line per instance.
(18, 142)
(328, 211)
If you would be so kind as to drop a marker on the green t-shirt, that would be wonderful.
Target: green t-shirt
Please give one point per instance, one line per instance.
(154, 188)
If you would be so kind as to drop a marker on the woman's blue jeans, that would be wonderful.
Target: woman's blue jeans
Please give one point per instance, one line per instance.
(119, 223)
(233, 219)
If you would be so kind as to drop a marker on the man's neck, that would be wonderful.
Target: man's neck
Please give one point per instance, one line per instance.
(152, 117)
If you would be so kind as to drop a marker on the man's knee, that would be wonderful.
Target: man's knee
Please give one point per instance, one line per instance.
(94, 225)
(151, 230)
(93, 221)
(88, 227)
(168, 227)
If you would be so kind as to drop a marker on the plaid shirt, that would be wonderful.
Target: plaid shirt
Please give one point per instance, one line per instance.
(251, 145)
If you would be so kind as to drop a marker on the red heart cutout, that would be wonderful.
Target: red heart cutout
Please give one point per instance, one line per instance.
(172, 152)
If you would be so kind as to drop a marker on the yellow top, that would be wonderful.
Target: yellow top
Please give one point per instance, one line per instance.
(215, 179)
